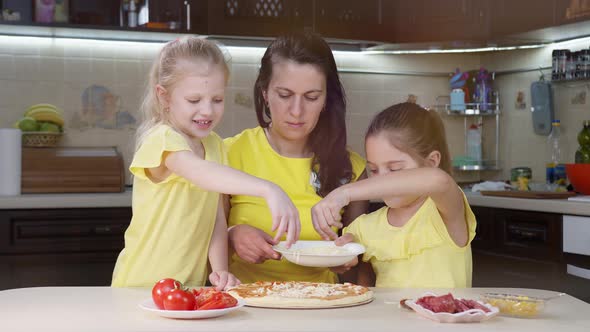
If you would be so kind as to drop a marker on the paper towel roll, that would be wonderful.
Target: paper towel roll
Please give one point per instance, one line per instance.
(10, 161)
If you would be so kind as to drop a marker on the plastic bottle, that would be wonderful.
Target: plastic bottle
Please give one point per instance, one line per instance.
(555, 170)
(474, 143)
(583, 152)
(132, 14)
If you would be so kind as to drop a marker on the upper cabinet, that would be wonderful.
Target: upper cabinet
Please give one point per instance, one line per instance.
(456, 23)
(509, 16)
(432, 20)
(571, 11)
(256, 18)
(350, 19)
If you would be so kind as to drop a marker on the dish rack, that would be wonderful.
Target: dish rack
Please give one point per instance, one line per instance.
(40, 139)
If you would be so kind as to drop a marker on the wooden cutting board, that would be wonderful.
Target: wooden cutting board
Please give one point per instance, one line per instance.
(528, 194)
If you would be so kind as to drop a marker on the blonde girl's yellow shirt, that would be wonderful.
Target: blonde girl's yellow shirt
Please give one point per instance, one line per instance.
(172, 220)
(250, 152)
(420, 254)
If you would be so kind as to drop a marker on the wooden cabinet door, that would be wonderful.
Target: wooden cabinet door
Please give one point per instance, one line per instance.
(433, 20)
(510, 17)
(259, 18)
(349, 19)
(571, 11)
(535, 235)
(484, 233)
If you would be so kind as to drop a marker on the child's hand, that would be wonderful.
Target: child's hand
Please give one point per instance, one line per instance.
(285, 217)
(344, 239)
(223, 279)
(345, 267)
(326, 213)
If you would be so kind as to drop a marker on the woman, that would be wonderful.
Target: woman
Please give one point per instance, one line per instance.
(301, 146)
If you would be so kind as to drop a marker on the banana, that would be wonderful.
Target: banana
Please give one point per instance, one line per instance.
(43, 106)
(46, 114)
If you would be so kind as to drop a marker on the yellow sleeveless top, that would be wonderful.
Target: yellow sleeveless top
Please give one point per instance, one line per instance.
(172, 220)
(250, 152)
(420, 254)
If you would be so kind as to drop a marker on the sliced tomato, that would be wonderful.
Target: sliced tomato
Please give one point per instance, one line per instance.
(211, 299)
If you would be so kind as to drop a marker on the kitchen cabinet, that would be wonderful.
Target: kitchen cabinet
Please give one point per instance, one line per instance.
(509, 17)
(60, 247)
(515, 248)
(571, 11)
(432, 20)
(350, 19)
(259, 18)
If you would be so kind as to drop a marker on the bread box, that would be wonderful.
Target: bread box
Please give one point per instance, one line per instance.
(72, 170)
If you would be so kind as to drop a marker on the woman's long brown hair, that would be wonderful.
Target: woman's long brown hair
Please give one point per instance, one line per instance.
(327, 140)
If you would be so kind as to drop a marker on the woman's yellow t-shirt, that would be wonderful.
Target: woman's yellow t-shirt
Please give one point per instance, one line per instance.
(172, 220)
(250, 152)
(420, 254)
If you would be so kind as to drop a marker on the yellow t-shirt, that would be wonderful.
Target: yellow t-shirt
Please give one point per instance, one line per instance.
(172, 220)
(420, 254)
(250, 152)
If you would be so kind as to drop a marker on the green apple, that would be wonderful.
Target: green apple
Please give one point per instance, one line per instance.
(28, 124)
(49, 127)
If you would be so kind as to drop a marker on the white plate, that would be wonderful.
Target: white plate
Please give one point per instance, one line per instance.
(149, 305)
(468, 316)
(299, 253)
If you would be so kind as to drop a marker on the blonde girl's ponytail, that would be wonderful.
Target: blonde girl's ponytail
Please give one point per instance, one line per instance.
(168, 68)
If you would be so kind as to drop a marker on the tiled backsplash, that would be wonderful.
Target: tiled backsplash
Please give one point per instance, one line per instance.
(58, 71)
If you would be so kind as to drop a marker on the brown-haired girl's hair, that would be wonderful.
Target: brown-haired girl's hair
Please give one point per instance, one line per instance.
(413, 130)
(168, 68)
(327, 141)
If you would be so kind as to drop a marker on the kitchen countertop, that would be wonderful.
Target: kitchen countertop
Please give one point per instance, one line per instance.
(116, 309)
(106, 200)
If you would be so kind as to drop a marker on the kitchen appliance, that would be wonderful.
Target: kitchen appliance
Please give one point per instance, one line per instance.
(576, 252)
(72, 170)
(542, 107)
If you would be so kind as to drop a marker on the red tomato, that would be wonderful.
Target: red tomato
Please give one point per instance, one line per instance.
(178, 299)
(162, 288)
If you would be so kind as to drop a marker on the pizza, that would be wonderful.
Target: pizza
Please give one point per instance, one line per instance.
(300, 294)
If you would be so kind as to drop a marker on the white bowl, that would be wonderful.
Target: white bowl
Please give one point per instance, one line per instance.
(319, 253)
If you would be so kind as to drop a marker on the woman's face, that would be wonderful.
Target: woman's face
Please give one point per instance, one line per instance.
(384, 158)
(296, 96)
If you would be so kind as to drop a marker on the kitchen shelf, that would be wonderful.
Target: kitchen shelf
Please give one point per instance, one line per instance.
(478, 111)
(474, 109)
(486, 165)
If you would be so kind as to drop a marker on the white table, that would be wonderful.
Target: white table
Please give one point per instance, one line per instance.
(110, 309)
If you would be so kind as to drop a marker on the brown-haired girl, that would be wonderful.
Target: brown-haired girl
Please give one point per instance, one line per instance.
(421, 238)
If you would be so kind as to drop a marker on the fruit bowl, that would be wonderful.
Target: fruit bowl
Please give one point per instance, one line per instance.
(579, 176)
(41, 139)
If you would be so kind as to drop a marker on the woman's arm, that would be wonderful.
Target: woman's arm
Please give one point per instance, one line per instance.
(223, 179)
(220, 277)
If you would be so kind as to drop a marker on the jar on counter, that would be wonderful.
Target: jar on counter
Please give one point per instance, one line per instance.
(520, 177)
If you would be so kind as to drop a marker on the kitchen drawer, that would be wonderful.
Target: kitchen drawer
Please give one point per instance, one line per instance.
(62, 230)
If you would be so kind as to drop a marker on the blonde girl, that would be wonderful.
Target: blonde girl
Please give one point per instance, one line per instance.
(178, 174)
(421, 238)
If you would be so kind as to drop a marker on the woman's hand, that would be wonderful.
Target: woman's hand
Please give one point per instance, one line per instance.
(285, 217)
(252, 244)
(326, 213)
(223, 279)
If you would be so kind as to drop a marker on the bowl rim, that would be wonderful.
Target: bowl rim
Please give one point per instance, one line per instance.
(285, 251)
